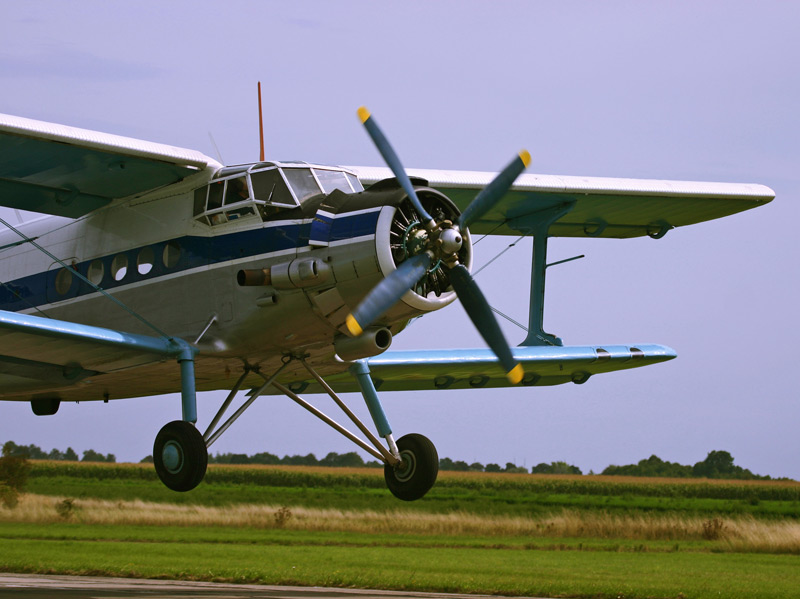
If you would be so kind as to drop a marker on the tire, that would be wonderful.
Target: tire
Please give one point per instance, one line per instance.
(419, 469)
(180, 456)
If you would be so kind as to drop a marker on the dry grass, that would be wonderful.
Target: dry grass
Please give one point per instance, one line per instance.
(737, 534)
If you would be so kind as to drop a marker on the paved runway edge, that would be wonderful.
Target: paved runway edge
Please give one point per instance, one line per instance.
(39, 586)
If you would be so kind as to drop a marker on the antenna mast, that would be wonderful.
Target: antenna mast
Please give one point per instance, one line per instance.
(260, 125)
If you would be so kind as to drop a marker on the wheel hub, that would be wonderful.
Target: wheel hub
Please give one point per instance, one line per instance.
(407, 466)
(172, 457)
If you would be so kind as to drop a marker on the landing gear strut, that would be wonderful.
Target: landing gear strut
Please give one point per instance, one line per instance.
(411, 464)
(180, 456)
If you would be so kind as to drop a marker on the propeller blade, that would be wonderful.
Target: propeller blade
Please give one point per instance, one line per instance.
(387, 293)
(481, 315)
(492, 193)
(392, 160)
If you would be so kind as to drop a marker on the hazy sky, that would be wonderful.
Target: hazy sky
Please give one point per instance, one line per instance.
(699, 91)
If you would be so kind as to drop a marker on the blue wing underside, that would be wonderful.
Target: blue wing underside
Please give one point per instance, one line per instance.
(81, 363)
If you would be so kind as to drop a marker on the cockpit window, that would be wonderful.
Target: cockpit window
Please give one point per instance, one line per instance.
(264, 189)
(302, 183)
(331, 180)
(354, 182)
(215, 194)
(269, 187)
(223, 201)
(236, 190)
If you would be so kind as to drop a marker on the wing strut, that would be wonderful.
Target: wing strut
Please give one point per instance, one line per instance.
(538, 224)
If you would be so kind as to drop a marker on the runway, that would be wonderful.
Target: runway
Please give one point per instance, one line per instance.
(37, 586)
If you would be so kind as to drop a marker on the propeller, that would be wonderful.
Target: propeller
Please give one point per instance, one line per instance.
(385, 295)
(440, 247)
(393, 161)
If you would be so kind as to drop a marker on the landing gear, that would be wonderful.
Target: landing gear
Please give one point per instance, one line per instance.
(411, 465)
(180, 456)
(415, 474)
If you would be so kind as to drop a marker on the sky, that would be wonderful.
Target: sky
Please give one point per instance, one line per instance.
(689, 91)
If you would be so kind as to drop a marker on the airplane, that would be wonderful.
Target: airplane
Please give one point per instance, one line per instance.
(287, 278)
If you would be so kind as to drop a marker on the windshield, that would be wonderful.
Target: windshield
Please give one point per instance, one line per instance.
(331, 180)
(302, 183)
(261, 190)
(269, 187)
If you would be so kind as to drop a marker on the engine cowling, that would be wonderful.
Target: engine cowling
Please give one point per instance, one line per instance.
(356, 241)
(400, 234)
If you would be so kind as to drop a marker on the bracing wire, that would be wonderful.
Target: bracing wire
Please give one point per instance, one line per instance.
(87, 281)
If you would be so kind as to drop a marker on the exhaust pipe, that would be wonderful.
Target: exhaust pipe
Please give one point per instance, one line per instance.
(371, 342)
(301, 272)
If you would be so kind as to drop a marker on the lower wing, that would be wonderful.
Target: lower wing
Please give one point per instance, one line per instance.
(411, 370)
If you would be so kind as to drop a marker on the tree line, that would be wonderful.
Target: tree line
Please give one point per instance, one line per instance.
(717, 464)
(34, 452)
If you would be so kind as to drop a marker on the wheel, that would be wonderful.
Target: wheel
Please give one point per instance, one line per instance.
(180, 456)
(415, 476)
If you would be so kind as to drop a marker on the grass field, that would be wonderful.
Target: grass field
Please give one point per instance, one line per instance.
(510, 534)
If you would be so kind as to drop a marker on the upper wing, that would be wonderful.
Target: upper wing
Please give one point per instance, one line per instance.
(67, 171)
(603, 207)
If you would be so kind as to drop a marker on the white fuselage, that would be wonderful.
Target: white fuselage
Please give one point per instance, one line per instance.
(176, 272)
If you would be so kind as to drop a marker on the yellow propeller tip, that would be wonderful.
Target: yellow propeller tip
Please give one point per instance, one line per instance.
(353, 326)
(525, 156)
(516, 374)
(363, 114)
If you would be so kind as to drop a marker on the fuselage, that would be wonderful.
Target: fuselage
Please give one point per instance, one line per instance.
(176, 259)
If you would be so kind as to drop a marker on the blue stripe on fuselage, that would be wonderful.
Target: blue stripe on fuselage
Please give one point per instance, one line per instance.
(39, 289)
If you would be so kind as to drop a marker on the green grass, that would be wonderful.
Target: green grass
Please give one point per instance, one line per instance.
(248, 536)
(515, 565)
(286, 558)
(478, 483)
(495, 495)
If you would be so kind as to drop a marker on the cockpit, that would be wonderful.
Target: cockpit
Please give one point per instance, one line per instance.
(259, 191)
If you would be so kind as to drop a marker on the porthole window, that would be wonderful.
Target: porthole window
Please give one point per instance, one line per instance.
(96, 272)
(171, 255)
(119, 267)
(63, 281)
(145, 260)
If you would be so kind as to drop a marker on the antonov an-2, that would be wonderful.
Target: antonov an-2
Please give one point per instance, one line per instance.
(155, 269)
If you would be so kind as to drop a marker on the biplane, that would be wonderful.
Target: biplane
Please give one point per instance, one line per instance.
(150, 269)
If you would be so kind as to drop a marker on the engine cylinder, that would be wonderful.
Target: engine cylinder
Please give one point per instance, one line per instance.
(400, 232)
